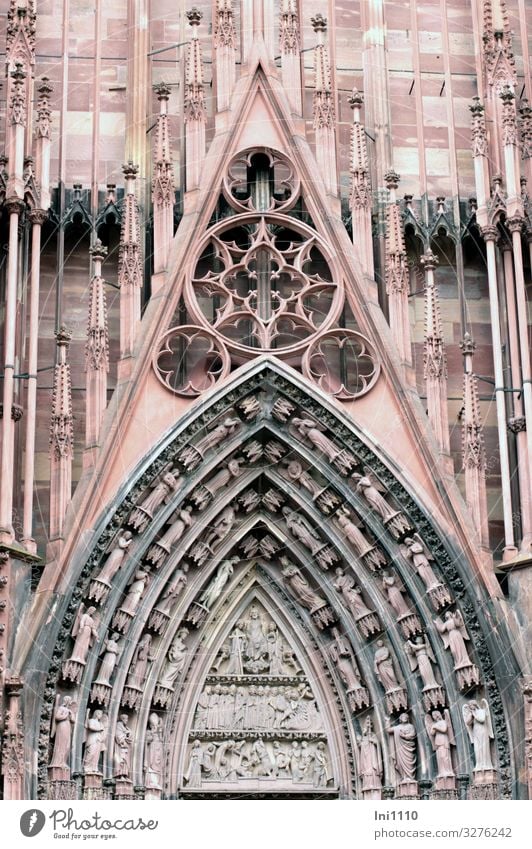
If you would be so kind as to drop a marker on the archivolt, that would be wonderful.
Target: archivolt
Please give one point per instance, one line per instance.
(266, 400)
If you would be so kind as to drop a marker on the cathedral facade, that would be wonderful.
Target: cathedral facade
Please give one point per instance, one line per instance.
(266, 507)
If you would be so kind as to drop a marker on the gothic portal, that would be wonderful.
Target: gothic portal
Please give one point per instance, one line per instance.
(266, 568)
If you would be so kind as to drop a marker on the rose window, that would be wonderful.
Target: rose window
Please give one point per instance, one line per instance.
(264, 280)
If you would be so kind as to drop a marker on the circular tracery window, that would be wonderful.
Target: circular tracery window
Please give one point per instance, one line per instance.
(264, 282)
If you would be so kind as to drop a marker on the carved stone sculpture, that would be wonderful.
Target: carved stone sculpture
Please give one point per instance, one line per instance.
(454, 635)
(144, 512)
(371, 490)
(365, 618)
(159, 551)
(63, 719)
(153, 757)
(142, 657)
(305, 595)
(395, 694)
(84, 632)
(161, 614)
(421, 658)
(100, 586)
(370, 765)
(216, 586)
(406, 618)
(222, 526)
(101, 688)
(129, 606)
(122, 748)
(173, 666)
(477, 719)
(403, 749)
(372, 556)
(206, 492)
(440, 732)
(309, 429)
(194, 454)
(419, 555)
(95, 733)
(345, 663)
(193, 774)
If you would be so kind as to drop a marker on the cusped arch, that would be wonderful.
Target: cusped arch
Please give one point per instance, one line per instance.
(261, 406)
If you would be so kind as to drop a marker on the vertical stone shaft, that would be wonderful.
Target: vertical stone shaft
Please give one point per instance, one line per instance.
(61, 437)
(360, 196)
(163, 196)
(289, 43)
(396, 272)
(523, 465)
(473, 455)
(194, 106)
(96, 350)
(435, 361)
(323, 110)
(224, 53)
(130, 274)
(37, 216)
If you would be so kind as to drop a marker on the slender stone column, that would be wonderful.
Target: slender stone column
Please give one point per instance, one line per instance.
(396, 273)
(194, 106)
(37, 218)
(163, 196)
(360, 197)
(434, 359)
(61, 437)
(96, 350)
(289, 43)
(130, 274)
(224, 53)
(490, 235)
(515, 226)
(473, 454)
(323, 110)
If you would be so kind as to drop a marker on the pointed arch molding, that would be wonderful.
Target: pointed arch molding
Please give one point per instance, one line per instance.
(262, 401)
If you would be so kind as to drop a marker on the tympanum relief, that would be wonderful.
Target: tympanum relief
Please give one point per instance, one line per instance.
(256, 719)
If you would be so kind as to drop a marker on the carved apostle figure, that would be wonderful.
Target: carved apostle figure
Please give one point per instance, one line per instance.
(420, 655)
(122, 748)
(344, 661)
(175, 659)
(217, 435)
(454, 635)
(135, 591)
(420, 556)
(310, 430)
(393, 589)
(95, 732)
(64, 717)
(302, 530)
(384, 668)
(478, 723)
(440, 732)
(116, 558)
(110, 656)
(352, 532)
(171, 593)
(153, 753)
(84, 632)
(139, 664)
(403, 748)
(216, 586)
(368, 487)
(222, 526)
(370, 758)
(181, 520)
(353, 595)
(146, 509)
(193, 774)
(298, 475)
(300, 587)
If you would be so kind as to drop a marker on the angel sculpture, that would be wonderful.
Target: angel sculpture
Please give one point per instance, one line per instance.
(64, 717)
(370, 489)
(84, 632)
(302, 530)
(453, 633)
(420, 655)
(418, 553)
(94, 739)
(440, 733)
(478, 723)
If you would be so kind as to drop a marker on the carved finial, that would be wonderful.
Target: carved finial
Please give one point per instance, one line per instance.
(392, 179)
(98, 251)
(467, 346)
(63, 337)
(130, 171)
(479, 137)
(356, 99)
(429, 259)
(162, 91)
(111, 193)
(194, 16)
(194, 95)
(319, 23)
(360, 185)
